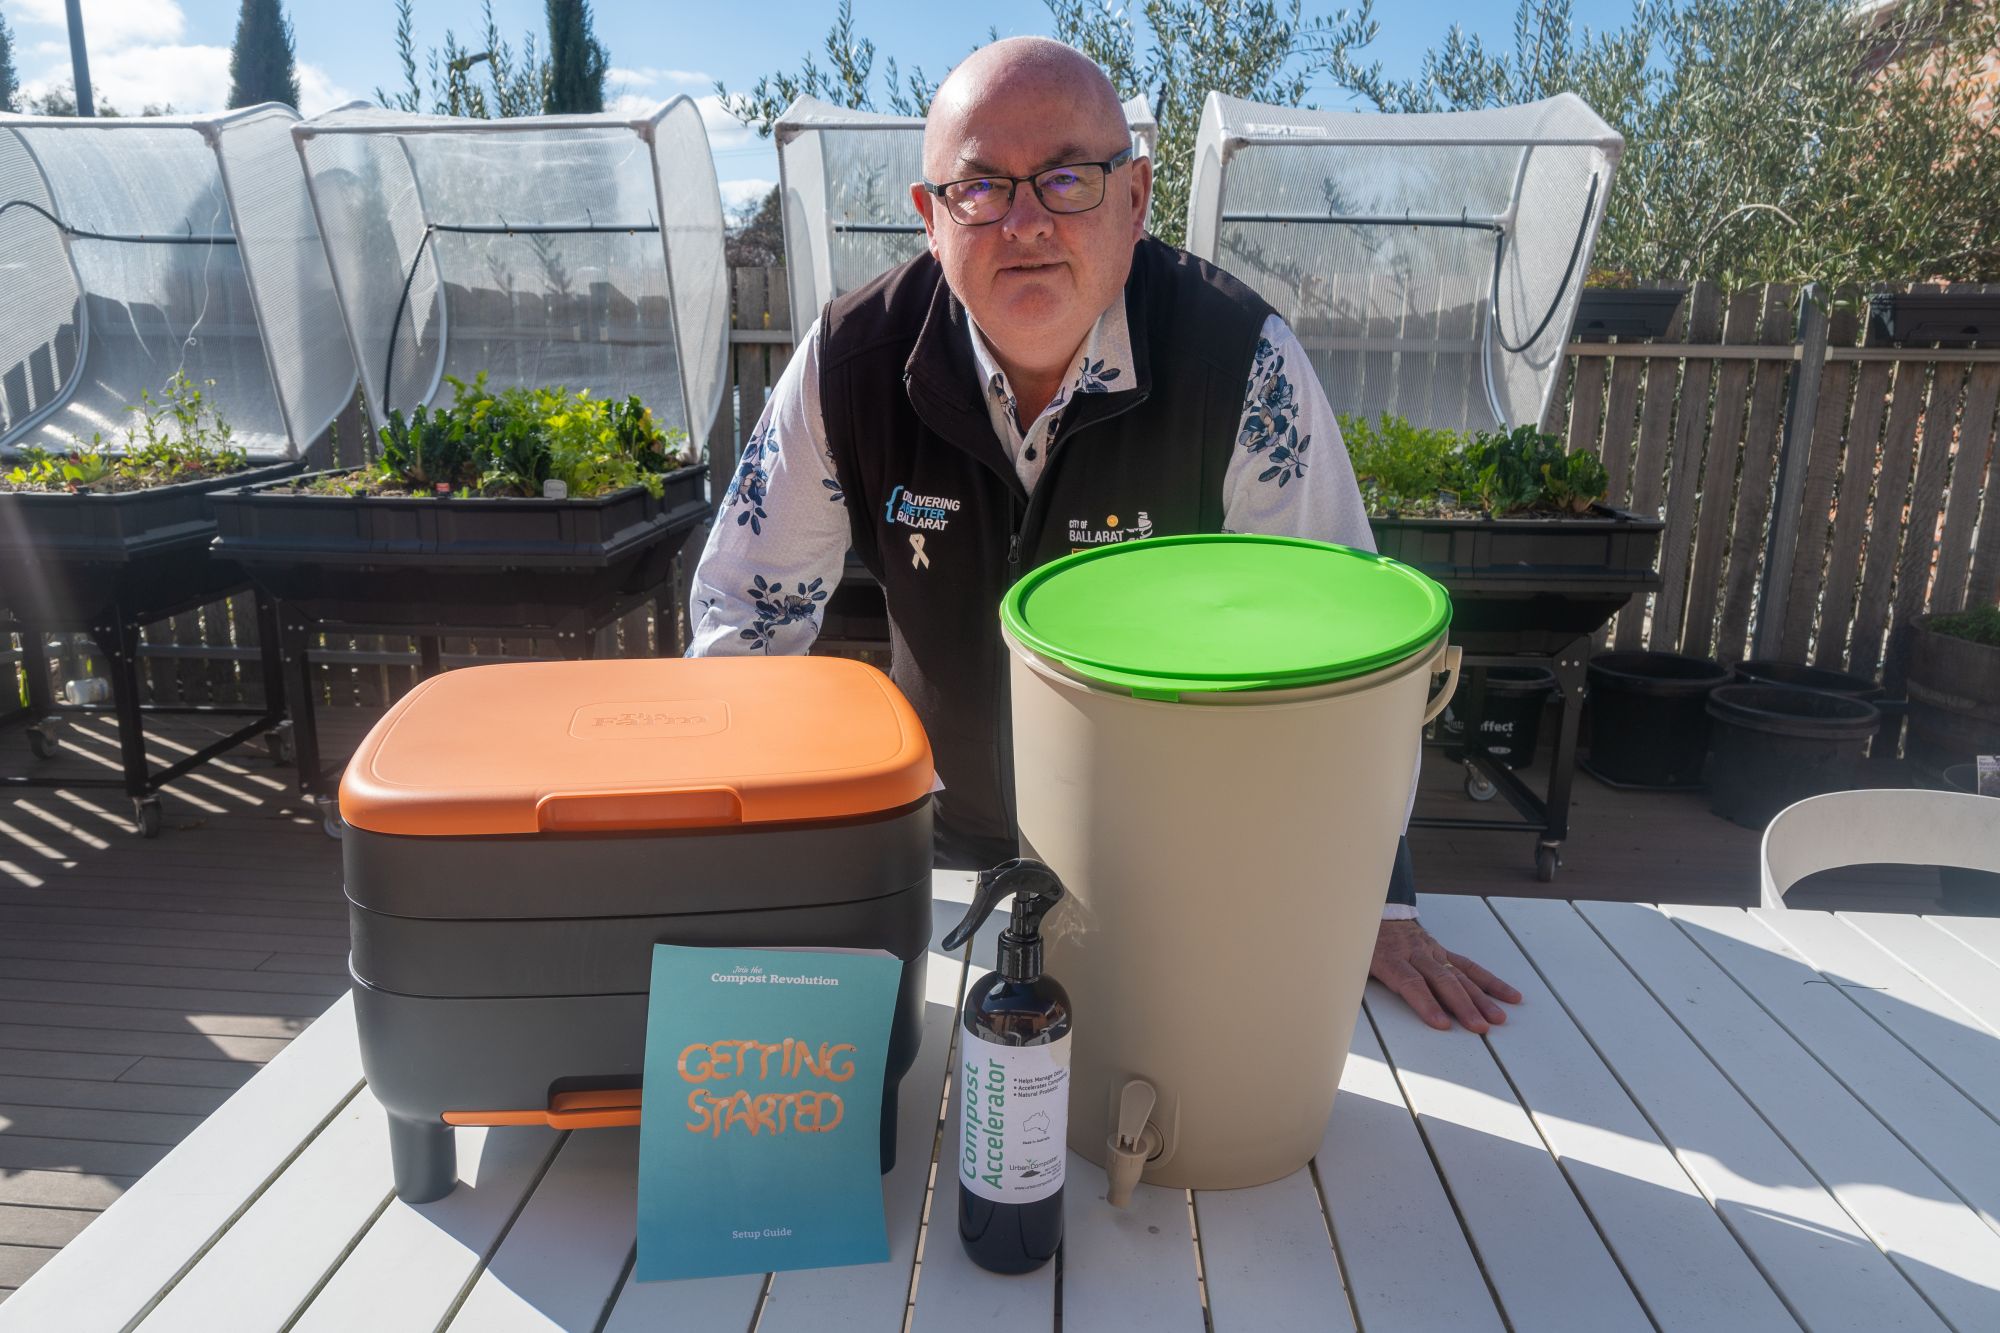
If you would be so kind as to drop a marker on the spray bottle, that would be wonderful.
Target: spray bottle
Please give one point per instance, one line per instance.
(1013, 1087)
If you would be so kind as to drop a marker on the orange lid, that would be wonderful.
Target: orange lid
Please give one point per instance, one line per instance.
(557, 747)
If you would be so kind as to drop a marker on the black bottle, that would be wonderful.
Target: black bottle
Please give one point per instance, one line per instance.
(1013, 1082)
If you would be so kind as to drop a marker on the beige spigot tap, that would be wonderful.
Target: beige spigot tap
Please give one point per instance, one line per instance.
(1134, 1142)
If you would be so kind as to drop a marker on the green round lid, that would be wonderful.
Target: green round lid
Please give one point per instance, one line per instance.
(1221, 612)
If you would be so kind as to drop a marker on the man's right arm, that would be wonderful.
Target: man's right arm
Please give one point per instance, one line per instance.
(780, 537)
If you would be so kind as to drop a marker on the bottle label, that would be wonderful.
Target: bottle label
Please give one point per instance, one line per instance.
(1014, 1103)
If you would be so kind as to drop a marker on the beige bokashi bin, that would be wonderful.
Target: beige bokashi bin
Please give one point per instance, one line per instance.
(1214, 742)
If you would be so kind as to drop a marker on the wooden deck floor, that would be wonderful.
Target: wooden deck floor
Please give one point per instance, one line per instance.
(142, 982)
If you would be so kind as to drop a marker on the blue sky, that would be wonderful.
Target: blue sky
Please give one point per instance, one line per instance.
(177, 51)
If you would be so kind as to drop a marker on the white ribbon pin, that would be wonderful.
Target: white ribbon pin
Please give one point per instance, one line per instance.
(918, 560)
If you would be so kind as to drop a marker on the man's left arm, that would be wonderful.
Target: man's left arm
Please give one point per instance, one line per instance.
(1289, 475)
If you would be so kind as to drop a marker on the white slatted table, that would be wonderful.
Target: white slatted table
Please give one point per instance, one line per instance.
(1700, 1118)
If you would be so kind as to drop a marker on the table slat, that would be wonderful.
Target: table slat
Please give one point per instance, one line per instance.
(113, 1272)
(1955, 1138)
(1949, 964)
(1941, 1246)
(1981, 932)
(1127, 1268)
(1922, 1017)
(1828, 1273)
(260, 1272)
(1540, 1250)
(415, 1260)
(1686, 1267)
(875, 1296)
(1409, 1266)
(561, 1261)
(1268, 1259)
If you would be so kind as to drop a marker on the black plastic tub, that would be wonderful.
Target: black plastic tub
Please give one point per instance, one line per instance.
(1528, 585)
(1649, 718)
(1967, 892)
(490, 562)
(1510, 714)
(74, 560)
(1772, 745)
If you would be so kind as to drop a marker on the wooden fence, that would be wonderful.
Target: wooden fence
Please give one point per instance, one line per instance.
(1881, 462)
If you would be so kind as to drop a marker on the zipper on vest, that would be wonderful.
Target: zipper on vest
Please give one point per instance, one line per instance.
(1013, 558)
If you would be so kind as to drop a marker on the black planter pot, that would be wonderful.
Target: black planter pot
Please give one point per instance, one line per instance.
(1510, 725)
(1967, 892)
(492, 563)
(78, 560)
(1528, 585)
(1773, 745)
(1626, 312)
(1954, 687)
(1802, 677)
(1649, 718)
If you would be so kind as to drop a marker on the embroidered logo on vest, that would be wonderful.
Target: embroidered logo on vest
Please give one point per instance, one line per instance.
(931, 513)
(1082, 533)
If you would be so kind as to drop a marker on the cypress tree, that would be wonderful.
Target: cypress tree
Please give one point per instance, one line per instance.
(577, 62)
(261, 65)
(10, 85)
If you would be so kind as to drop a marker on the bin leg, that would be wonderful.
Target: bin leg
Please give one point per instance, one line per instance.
(425, 1159)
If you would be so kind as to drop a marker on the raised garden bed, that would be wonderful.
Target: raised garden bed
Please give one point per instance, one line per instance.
(1626, 312)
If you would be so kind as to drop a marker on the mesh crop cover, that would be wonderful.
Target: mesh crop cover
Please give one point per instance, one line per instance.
(1431, 264)
(125, 262)
(846, 178)
(580, 251)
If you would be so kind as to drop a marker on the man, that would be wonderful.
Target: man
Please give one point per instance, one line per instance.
(1045, 376)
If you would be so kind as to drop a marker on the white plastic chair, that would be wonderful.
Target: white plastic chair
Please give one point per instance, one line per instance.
(1879, 827)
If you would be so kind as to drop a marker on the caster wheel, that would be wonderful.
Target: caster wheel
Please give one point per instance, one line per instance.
(279, 744)
(1546, 861)
(330, 820)
(1479, 787)
(44, 744)
(146, 814)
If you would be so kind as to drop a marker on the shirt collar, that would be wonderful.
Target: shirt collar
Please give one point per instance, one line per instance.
(1104, 363)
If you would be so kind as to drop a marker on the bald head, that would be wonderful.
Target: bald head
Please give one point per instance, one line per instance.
(1024, 72)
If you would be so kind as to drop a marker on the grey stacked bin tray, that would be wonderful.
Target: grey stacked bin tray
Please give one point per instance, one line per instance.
(483, 982)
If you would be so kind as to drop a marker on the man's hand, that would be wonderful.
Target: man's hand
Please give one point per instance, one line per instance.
(1439, 985)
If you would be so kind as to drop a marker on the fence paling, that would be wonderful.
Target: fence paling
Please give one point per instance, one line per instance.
(1753, 492)
(1969, 480)
(1815, 527)
(1694, 517)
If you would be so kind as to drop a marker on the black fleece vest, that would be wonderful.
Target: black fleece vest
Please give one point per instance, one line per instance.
(940, 517)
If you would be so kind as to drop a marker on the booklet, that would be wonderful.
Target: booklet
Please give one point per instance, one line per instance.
(760, 1129)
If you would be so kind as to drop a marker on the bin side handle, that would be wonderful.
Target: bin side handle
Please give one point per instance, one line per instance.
(1444, 664)
(598, 811)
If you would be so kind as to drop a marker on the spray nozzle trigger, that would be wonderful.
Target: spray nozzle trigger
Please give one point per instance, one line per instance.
(1035, 888)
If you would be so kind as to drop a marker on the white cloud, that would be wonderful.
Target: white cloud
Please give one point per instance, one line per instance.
(742, 193)
(724, 130)
(108, 25)
(648, 77)
(191, 79)
(318, 92)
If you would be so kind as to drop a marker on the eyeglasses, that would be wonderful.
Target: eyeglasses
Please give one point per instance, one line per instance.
(979, 201)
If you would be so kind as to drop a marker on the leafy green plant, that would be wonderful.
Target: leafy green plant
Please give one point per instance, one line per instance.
(1980, 625)
(1399, 467)
(174, 436)
(1407, 471)
(1576, 483)
(511, 442)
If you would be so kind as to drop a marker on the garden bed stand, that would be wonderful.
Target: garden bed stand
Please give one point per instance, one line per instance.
(138, 250)
(1527, 592)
